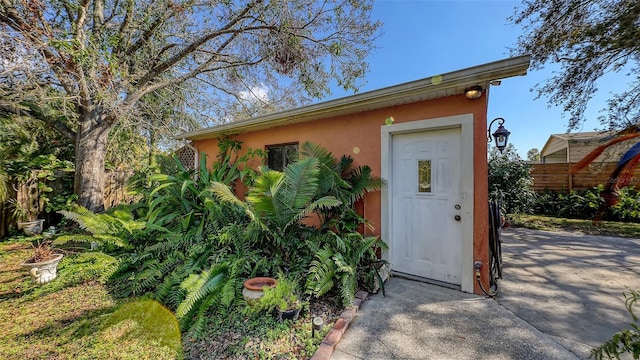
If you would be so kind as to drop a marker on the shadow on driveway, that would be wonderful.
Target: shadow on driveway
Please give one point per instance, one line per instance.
(423, 321)
(569, 285)
(560, 296)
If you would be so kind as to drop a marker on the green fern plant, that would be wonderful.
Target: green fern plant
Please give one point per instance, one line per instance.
(181, 219)
(198, 289)
(282, 297)
(340, 263)
(341, 179)
(114, 228)
(276, 204)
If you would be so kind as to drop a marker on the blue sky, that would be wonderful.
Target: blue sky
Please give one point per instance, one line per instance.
(422, 38)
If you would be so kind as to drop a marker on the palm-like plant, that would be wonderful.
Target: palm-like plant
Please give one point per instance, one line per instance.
(278, 201)
(343, 180)
(343, 255)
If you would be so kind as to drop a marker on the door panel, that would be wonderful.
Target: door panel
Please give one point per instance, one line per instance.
(425, 189)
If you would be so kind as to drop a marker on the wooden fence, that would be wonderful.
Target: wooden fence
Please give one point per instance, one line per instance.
(115, 191)
(27, 196)
(557, 177)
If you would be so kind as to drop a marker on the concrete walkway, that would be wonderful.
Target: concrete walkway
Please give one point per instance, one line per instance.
(561, 295)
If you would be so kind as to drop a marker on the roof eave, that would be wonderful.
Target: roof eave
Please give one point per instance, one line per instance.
(546, 144)
(419, 90)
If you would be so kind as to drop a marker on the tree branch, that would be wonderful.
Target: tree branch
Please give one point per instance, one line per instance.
(32, 110)
(154, 72)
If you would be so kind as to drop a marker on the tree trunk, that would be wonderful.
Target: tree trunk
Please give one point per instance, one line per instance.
(91, 148)
(152, 148)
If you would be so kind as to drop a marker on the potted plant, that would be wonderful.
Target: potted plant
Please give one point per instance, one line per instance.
(254, 288)
(24, 219)
(282, 298)
(43, 264)
(32, 228)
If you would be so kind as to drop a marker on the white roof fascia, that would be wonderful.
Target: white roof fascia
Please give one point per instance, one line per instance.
(419, 90)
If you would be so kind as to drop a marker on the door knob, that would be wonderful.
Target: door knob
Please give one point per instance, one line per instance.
(457, 217)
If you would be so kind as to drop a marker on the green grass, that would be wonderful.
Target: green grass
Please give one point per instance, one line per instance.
(75, 317)
(607, 228)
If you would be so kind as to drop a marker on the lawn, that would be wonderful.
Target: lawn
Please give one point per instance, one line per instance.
(76, 317)
(72, 319)
(606, 228)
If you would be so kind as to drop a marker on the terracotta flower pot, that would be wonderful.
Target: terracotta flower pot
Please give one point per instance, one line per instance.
(253, 288)
(44, 271)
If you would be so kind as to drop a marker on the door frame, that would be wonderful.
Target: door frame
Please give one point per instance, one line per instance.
(465, 124)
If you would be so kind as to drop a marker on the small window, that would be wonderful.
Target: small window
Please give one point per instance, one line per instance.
(279, 156)
(424, 176)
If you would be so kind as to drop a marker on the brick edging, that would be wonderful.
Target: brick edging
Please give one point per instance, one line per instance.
(334, 335)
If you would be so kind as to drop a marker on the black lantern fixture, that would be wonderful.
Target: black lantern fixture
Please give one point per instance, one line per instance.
(501, 135)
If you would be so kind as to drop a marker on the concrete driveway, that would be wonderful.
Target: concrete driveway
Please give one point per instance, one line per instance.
(560, 296)
(568, 285)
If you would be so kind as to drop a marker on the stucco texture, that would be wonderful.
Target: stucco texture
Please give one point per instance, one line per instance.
(359, 135)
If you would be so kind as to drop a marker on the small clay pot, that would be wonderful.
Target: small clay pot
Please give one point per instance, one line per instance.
(253, 288)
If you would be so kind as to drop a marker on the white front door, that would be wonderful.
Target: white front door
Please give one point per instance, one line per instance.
(425, 219)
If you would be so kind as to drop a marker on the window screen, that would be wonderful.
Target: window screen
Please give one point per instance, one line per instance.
(279, 156)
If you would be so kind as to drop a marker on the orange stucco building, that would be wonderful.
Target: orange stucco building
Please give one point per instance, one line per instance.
(432, 211)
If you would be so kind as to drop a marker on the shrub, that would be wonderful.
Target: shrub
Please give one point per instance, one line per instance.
(181, 246)
(584, 204)
(330, 257)
(510, 181)
(341, 262)
(192, 242)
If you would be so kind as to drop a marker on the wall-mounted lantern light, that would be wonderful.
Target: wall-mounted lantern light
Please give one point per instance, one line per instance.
(473, 92)
(501, 135)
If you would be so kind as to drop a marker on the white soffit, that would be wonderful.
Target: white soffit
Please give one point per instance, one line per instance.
(437, 86)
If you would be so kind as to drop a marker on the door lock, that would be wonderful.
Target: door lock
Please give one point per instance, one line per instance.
(457, 217)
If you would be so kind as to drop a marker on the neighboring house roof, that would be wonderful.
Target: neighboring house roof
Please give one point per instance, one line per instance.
(591, 136)
(573, 147)
(437, 86)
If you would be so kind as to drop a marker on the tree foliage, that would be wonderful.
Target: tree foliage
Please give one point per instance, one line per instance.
(88, 68)
(510, 181)
(588, 39)
(533, 154)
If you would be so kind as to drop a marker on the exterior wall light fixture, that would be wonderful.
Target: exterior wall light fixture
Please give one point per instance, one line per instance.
(473, 92)
(501, 135)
